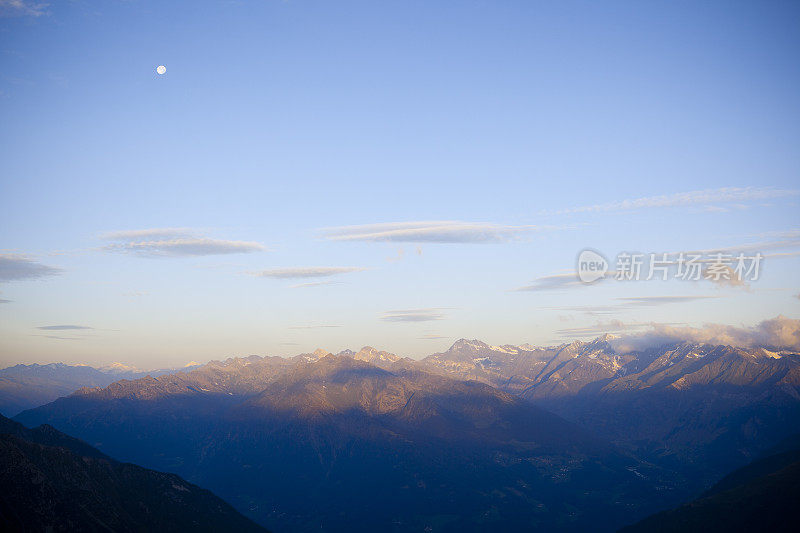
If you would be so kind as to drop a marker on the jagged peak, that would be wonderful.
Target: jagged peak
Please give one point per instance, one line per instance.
(119, 367)
(461, 344)
(319, 352)
(368, 349)
(370, 354)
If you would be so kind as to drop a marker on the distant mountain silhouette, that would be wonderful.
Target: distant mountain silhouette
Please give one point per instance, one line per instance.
(339, 444)
(761, 496)
(52, 482)
(26, 386)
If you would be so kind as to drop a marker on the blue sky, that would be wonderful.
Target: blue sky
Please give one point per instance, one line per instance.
(490, 141)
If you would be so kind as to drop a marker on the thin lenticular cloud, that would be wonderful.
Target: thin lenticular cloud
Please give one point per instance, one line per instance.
(589, 309)
(612, 326)
(552, 282)
(661, 300)
(414, 315)
(724, 195)
(17, 267)
(187, 247)
(149, 234)
(305, 272)
(174, 242)
(63, 327)
(445, 231)
(783, 240)
(632, 302)
(316, 326)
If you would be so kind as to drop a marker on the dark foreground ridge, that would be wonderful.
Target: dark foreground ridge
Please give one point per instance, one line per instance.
(761, 496)
(52, 482)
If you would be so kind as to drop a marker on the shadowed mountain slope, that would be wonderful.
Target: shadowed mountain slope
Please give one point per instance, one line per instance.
(52, 482)
(761, 496)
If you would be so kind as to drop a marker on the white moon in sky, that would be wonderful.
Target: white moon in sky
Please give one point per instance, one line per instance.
(161, 69)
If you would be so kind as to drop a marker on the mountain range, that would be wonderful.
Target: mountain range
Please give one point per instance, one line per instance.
(700, 409)
(26, 386)
(581, 435)
(414, 449)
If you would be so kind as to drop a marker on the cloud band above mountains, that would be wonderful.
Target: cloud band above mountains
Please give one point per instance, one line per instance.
(724, 195)
(175, 242)
(414, 315)
(305, 272)
(62, 327)
(778, 332)
(445, 231)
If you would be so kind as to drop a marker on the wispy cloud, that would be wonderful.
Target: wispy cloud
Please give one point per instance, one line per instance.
(62, 327)
(135, 294)
(19, 8)
(721, 209)
(15, 267)
(783, 240)
(433, 336)
(188, 247)
(589, 309)
(414, 315)
(445, 231)
(612, 326)
(552, 282)
(709, 197)
(305, 272)
(149, 234)
(174, 242)
(661, 300)
(316, 326)
(632, 302)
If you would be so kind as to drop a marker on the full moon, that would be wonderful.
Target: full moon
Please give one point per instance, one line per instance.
(161, 69)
